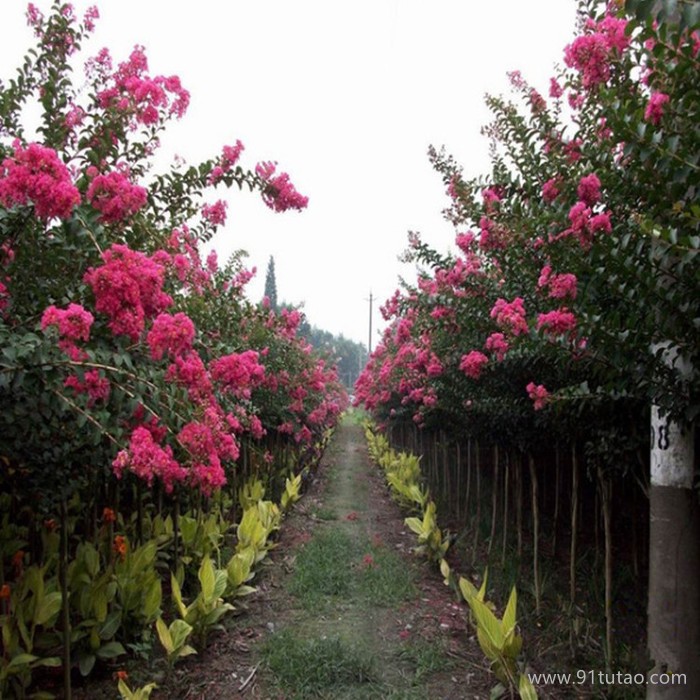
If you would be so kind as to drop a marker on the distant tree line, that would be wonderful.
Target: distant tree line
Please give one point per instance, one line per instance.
(349, 355)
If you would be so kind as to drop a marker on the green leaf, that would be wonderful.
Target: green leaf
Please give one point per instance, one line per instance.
(152, 601)
(526, 689)
(21, 660)
(86, 662)
(509, 614)
(111, 625)
(47, 608)
(165, 637)
(111, 650)
(179, 632)
(206, 578)
(487, 621)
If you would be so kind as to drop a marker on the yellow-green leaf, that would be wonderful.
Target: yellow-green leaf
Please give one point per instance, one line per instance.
(526, 689)
(509, 614)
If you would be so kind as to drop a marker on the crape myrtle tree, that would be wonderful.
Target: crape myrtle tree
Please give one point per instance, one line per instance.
(127, 360)
(576, 283)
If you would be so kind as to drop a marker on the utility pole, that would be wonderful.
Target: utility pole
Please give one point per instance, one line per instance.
(369, 344)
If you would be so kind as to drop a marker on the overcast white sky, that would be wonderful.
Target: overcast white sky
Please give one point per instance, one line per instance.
(347, 97)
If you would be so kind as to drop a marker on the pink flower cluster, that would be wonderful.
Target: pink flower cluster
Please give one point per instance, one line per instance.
(510, 316)
(539, 395)
(73, 325)
(238, 373)
(279, 193)
(93, 384)
(550, 190)
(128, 288)
(589, 189)
(141, 97)
(560, 286)
(115, 196)
(208, 442)
(36, 175)
(171, 335)
(592, 53)
(148, 460)
(497, 344)
(655, 107)
(215, 213)
(556, 322)
(473, 363)
(229, 158)
(189, 371)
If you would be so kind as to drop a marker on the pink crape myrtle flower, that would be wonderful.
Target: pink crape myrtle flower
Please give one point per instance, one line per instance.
(238, 373)
(128, 288)
(279, 193)
(115, 196)
(215, 213)
(589, 189)
(498, 345)
(36, 175)
(171, 335)
(655, 107)
(556, 322)
(93, 384)
(73, 323)
(550, 190)
(189, 371)
(510, 315)
(473, 363)
(538, 394)
(148, 460)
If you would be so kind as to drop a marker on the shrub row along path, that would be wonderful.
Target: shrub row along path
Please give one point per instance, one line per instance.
(344, 609)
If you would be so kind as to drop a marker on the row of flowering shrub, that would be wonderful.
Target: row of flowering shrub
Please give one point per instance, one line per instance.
(569, 307)
(138, 386)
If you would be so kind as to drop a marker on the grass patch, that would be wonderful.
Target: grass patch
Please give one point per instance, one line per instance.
(384, 579)
(323, 567)
(325, 514)
(426, 656)
(304, 667)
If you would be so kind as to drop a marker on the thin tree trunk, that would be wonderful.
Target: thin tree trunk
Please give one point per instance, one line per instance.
(458, 481)
(65, 607)
(606, 497)
(478, 504)
(519, 507)
(557, 484)
(574, 523)
(494, 500)
(535, 533)
(469, 480)
(505, 511)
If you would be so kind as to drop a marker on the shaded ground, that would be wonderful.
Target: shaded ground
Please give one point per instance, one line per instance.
(386, 626)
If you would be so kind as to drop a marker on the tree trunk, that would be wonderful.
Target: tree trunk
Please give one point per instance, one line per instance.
(535, 534)
(478, 504)
(574, 523)
(494, 499)
(65, 607)
(505, 511)
(605, 497)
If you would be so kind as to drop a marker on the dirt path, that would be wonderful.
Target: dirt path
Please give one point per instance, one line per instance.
(344, 609)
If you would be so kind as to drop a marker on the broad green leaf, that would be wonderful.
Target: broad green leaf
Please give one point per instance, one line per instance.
(179, 632)
(86, 662)
(509, 613)
(47, 608)
(206, 578)
(165, 637)
(111, 650)
(526, 689)
(487, 621)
